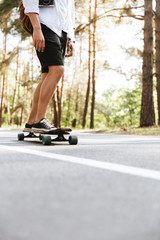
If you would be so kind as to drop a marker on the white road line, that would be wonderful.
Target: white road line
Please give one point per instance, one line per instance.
(135, 171)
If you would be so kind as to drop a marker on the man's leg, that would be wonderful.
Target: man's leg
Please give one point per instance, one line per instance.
(47, 89)
(33, 113)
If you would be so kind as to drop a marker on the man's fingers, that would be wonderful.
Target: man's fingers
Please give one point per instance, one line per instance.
(70, 50)
(68, 55)
(38, 41)
(40, 45)
(43, 45)
(37, 46)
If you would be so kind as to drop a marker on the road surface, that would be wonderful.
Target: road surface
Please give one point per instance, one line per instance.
(105, 188)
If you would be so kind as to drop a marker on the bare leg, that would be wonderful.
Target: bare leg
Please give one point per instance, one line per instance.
(33, 113)
(47, 89)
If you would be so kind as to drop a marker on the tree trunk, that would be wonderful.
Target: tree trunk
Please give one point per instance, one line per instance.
(7, 99)
(147, 106)
(74, 122)
(55, 110)
(25, 94)
(16, 85)
(58, 106)
(21, 116)
(68, 108)
(94, 68)
(3, 79)
(157, 26)
(61, 102)
(89, 68)
(2, 98)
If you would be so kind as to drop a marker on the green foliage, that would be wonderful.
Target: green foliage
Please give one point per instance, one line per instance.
(7, 6)
(120, 108)
(9, 11)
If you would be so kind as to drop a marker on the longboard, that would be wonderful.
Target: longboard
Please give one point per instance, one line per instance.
(46, 137)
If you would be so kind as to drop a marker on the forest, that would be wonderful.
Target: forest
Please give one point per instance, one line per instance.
(113, 79)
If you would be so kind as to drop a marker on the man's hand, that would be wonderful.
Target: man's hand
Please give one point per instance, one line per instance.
(70, 49)
(38, 40)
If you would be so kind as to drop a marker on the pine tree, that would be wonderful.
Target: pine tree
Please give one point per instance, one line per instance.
(147, 105)
(94, 68)
(157, 30)
(89, 67)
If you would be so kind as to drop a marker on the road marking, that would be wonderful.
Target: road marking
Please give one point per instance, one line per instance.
(135, 171)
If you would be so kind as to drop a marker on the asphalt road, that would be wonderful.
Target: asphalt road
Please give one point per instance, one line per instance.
(105, 188)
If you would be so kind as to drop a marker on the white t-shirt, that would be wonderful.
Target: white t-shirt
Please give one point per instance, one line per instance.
(59, 17)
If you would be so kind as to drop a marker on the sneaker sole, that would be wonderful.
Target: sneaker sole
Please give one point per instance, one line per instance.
(27, 130)
(40, 130)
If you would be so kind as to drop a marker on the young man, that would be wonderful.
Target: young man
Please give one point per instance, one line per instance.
(53, 29)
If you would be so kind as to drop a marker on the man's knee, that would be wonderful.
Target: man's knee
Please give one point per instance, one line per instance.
(58, 70)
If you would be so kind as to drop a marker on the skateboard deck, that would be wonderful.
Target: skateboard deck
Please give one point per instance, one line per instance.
(52, 132)
(47, 137)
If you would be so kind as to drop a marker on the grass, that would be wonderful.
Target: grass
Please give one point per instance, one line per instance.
(152, 131)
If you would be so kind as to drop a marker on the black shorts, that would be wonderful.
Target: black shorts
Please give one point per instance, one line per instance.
(54, 51)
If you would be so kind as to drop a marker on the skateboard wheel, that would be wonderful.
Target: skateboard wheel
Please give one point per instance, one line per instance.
(20, 136)
(40, 136)
(46, 140)
(73, 140)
